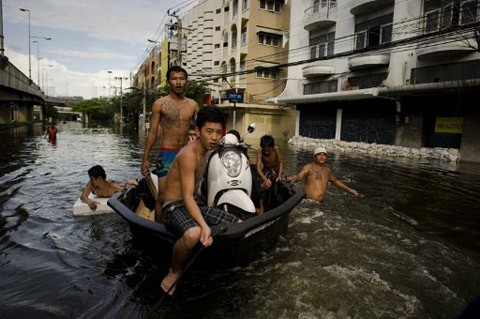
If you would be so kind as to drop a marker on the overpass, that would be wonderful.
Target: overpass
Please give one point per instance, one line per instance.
(21, 100)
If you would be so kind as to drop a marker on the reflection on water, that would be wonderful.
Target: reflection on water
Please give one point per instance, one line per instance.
(408, 247)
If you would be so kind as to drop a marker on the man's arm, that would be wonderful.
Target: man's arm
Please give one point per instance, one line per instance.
(152, 133)
(300, 176)
(265, 181)
(341, 185)
(187, 163)
(84, 197)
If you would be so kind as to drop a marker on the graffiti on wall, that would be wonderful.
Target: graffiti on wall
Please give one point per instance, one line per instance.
(368, 130)
(324, 129)
(262, 119)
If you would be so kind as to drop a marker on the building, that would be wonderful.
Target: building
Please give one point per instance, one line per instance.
(238, 47)
(398, 72)
(147, 76)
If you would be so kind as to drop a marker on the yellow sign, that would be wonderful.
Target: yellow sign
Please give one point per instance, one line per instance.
(452, 125)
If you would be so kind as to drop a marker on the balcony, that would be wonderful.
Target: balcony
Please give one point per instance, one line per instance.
(360, 7)
(318, 69)
(368, 61)
(443, 51)
(320, 15)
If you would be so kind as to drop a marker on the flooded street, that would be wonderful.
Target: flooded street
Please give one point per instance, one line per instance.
(408, 247)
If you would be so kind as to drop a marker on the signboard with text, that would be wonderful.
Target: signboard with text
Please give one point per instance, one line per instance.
(236, 97)
(453, 125)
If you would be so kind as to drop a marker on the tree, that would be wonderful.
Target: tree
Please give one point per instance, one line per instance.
(97, 110)
(133, 100)
(51, 112)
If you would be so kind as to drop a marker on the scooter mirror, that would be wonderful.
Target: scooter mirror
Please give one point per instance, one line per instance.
(251, 128)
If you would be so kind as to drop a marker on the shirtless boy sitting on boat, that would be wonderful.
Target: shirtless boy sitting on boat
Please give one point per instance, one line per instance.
(100, 186)
(183, 212)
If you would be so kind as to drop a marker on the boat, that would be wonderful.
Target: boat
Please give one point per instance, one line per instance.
(233, 244)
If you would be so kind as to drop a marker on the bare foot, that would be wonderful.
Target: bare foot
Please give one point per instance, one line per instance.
(169, 280)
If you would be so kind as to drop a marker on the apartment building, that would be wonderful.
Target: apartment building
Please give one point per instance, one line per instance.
(148, 75)
(239, 48)
(397, 72)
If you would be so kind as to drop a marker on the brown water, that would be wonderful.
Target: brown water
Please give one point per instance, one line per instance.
(408, 247)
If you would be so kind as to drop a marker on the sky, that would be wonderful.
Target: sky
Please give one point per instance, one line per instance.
(88, 39)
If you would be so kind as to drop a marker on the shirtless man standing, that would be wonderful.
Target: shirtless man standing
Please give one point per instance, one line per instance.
(317, 176)
(173, 113)
(183, 211)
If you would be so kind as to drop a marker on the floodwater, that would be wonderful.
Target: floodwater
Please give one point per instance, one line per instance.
(408, 247)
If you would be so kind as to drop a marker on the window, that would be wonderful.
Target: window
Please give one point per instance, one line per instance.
(444, 14)
(440, 18)
(217, 28)
(315, 6)
(217, 46)
(233, 70)
(244, 5)
(321, 45)
(215, 63)
(320, 87)
(244, 36)
(242, 70)
(235, 7)
(218, 11)
(234, 39)
(373, 32)
(469, 12)
(270, 39)
(267, 73)
(270, 5)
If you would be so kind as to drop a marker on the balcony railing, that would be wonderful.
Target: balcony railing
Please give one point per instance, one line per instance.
(320, 14)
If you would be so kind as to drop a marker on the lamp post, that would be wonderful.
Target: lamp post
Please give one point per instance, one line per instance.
(29, 40)
(45, 88)
(121, 96)
(109, 85)
(234, 97)
(38, 54)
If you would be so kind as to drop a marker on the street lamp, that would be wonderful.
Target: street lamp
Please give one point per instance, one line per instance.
(29, 40)
(45, 79)
(121, 96)
(109, 85)
(233, 97)
(38, 54)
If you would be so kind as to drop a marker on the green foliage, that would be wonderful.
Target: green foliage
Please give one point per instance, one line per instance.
(98, 110)
(104, 110)
(51, 112)
(197, 91)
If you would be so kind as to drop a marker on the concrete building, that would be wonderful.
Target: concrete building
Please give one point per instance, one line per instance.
(238, 47)
(147, 75)
(398, 72)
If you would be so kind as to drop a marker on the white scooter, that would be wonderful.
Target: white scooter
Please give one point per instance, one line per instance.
(229, 177)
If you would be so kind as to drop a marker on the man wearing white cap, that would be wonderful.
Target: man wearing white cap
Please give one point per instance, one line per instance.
(317, 175)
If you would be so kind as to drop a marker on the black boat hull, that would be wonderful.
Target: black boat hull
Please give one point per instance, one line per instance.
(235, 244)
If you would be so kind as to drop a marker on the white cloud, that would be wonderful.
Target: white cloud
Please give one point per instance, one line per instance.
(89, 37)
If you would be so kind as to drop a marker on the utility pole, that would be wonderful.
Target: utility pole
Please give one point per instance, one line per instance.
(121, 96)
(179, 35)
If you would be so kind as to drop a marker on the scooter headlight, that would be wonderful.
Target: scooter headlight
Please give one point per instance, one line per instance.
(232, 161)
